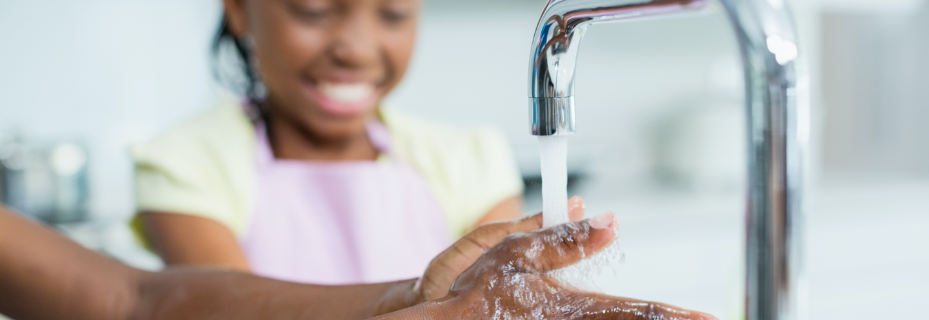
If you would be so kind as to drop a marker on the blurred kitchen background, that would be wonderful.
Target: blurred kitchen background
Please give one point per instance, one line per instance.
(660, 132)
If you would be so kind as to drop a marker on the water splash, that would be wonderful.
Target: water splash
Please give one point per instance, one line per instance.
(580, 275)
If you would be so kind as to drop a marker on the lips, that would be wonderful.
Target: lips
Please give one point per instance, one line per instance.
(344, 98)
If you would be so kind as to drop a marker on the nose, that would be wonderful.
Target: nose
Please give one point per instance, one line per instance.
(355, 43)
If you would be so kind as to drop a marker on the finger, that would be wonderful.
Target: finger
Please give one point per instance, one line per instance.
(490, 235)
(562, 245)
(493, 233)
(576, 208)
(601, 306)
(442, 271)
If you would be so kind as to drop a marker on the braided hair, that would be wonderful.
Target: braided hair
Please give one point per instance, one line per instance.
(233, 65)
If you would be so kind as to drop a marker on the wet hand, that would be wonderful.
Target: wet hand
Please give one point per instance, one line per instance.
(443, 270)
(509, 281)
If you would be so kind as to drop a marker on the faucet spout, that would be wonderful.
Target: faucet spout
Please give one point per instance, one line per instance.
(554, 52)
(777, 128)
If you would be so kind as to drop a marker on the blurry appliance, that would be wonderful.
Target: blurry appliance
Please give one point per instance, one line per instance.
(49, 184)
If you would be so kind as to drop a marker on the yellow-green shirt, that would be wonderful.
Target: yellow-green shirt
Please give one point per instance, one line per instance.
(206, 167)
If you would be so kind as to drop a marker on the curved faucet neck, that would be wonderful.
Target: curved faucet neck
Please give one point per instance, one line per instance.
(776, 115)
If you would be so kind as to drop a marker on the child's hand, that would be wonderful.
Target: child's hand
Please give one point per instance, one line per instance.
(445, 267)
(508, 281)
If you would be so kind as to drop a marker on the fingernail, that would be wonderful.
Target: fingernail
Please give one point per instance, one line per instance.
(575, 202)
(603, 221)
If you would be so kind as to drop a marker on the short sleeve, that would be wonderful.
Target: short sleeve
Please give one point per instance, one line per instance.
(202, 168)
(470, 170)
(490, 178)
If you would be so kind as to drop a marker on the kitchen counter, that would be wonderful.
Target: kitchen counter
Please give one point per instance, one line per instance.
(867, 244)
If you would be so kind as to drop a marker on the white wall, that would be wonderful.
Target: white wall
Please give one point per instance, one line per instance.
(103, 73)
(876, 77)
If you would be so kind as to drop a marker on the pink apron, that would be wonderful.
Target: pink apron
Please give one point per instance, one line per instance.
(338, 223)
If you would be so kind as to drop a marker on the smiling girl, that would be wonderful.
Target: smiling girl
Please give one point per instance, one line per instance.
(305, 177)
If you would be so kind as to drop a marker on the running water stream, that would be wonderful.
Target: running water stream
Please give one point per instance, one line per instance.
(553, 152)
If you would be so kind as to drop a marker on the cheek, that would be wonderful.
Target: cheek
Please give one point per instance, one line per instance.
(399, 45)
(284, 48)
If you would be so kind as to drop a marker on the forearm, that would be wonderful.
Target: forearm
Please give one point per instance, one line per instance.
(183, 239)
(199, 293)
(435, 310)
(43, 275)
(509, 209)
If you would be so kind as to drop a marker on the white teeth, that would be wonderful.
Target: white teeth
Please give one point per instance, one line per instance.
(346, 93)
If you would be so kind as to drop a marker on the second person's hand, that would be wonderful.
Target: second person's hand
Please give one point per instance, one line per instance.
(445, 268)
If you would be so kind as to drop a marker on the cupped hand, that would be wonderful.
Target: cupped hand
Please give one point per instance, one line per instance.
(445, 267)
(509, 280)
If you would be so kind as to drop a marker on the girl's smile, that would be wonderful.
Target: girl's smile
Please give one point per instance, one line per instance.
(343, 98)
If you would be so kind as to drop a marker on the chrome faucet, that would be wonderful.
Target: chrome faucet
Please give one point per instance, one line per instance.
(777, 123)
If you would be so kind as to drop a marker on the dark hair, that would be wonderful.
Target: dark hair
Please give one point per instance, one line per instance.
(232, 64)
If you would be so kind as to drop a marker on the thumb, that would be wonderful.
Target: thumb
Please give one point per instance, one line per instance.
(448, 265)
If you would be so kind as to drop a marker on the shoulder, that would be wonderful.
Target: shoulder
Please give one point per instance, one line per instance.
(421, 133)
(204, 166)
(224, 126)
(470, 169)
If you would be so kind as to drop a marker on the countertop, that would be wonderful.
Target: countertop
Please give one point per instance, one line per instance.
(867, 250)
